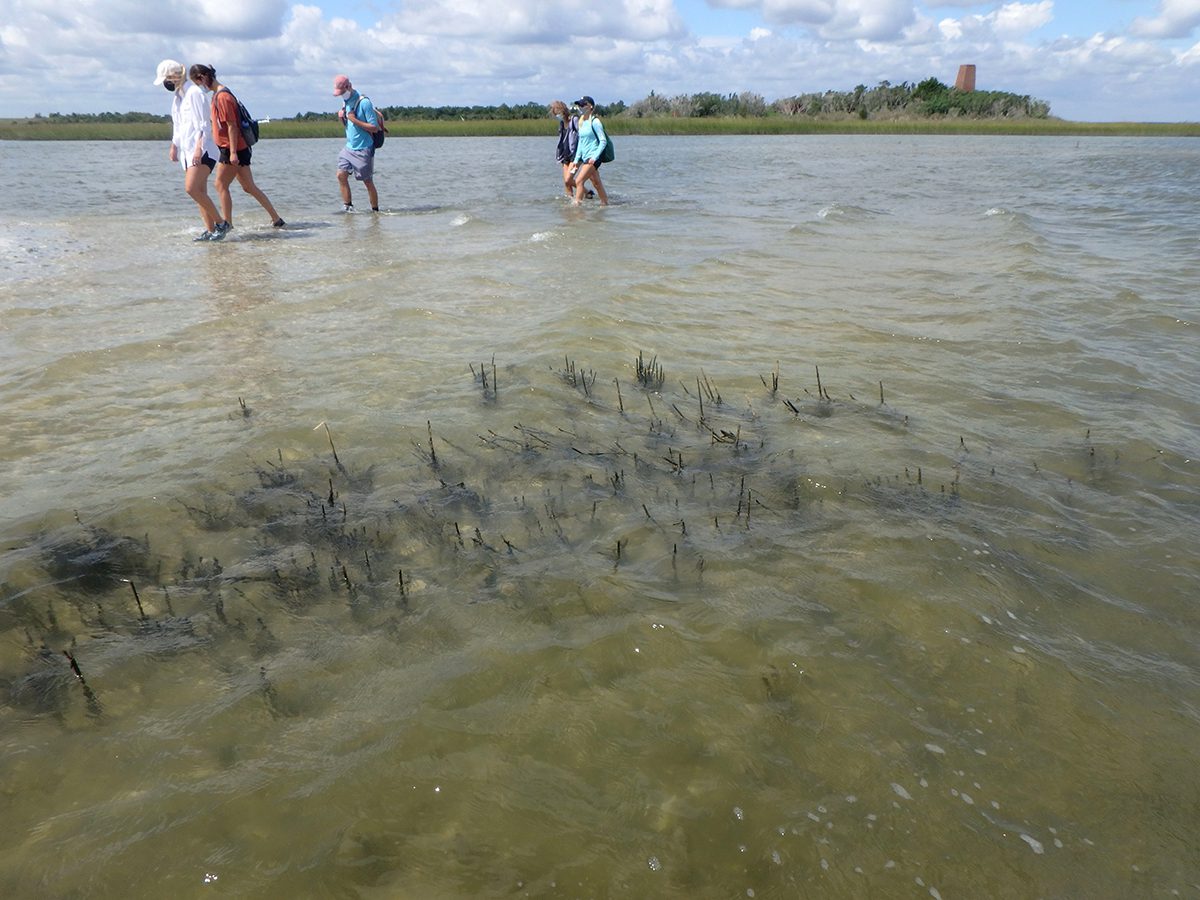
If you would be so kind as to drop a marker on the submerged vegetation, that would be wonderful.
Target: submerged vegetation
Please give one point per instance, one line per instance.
(640, 486)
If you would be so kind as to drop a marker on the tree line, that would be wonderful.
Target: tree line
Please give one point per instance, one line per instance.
(103, 117)
(928, 98)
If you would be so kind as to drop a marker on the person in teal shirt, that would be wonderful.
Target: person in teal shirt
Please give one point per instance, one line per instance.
(592, 141)
(358, 156)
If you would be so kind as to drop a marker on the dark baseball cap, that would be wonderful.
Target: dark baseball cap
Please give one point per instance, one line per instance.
(585, 101)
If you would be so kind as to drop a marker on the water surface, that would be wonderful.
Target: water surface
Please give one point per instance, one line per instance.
(437, 600)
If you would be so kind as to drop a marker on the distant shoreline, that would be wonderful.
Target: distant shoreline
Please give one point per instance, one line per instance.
(43, 130)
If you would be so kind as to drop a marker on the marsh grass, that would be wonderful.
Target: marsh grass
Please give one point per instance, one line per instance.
(41, 129)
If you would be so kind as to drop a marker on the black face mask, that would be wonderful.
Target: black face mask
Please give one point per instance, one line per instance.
(169, 85)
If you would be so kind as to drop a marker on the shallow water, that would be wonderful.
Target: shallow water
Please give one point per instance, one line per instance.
(454, 606)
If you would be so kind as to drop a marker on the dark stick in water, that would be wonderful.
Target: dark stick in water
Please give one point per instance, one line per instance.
(137, 600)
(329, 435)
(88, 693)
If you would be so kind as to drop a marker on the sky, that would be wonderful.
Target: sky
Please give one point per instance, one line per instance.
(1091, 60)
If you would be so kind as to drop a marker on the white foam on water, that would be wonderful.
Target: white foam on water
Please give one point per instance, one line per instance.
(1034, 844)
(901, 792)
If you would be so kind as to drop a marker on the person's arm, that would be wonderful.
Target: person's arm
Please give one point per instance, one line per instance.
(199, 112)
(174, 151)
(232, 132)
(601, 136)
(225, 110)
(370, 122)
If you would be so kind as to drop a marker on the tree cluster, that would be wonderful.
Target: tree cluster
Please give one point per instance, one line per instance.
(926, 98)
(530, 110)
(699, 106)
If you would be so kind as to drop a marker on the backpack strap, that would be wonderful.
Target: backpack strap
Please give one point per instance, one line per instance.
(361, 98)
(222, 89)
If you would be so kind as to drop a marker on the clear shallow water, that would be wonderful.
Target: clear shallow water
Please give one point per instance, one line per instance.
(946, 645)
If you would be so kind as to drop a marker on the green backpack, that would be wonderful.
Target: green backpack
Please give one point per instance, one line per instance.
(608, 154)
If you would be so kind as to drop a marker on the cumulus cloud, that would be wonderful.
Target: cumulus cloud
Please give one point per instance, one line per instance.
(1011, 21)
(244, 19)
(936, 4)
(834, 19)
(1175, 19)
(91, 56)
(1015, 19)
(1190, 57)
(538, 22)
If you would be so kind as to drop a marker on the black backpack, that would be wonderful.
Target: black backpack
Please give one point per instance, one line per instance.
(377, 137)
(246, 122)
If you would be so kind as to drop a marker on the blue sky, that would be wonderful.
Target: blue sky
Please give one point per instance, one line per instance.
(1097, 60)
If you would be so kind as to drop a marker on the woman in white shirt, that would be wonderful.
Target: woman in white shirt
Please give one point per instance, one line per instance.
(192, 144)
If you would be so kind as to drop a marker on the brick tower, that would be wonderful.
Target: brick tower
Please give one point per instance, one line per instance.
(966, 79)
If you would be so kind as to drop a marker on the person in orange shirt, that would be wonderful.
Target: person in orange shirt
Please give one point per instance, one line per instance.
(234, 160)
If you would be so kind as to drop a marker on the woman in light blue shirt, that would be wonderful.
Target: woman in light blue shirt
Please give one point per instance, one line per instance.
(592, 141)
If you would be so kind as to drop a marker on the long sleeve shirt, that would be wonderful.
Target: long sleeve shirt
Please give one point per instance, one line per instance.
(592, 140)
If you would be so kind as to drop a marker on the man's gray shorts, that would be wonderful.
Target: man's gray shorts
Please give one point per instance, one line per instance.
(360, 162)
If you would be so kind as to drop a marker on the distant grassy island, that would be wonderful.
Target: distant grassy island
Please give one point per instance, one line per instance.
(927, 107)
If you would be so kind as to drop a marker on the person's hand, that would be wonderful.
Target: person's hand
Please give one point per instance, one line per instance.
(174, 154)
(342, 116)
(197, 156)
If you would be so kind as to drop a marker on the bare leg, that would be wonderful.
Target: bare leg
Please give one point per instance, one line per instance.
(225, 175)
(581, 176)
(246, 180)
(599, 186)
(585, 173)
(196, 182)
(371, 194)
(344, 185)
(568, 180)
